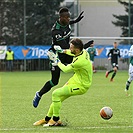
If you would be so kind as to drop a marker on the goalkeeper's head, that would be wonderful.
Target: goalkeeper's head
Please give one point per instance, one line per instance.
(76, 46)
(64, 16)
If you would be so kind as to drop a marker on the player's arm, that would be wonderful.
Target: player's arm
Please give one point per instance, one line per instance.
(70, 67)
(86, 45)
(13, 55)
(95, 52)
(60, 50)
(108, 55)
(64, 68)
(77, 19)
(6, 56)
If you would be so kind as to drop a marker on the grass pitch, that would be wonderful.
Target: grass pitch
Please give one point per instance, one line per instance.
(17, 90)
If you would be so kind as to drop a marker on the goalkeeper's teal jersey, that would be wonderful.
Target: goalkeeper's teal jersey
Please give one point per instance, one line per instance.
(82, 68)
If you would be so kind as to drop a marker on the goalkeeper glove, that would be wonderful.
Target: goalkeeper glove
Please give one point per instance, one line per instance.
(53, 57)
(58, 48)
(55, 63)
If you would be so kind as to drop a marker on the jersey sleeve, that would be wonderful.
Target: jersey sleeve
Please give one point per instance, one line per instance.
(70, 67)
(64, 68)
(108, 55)
(68, 52)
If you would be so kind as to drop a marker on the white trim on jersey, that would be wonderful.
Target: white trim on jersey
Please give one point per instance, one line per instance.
(131, 51)
(130, 72)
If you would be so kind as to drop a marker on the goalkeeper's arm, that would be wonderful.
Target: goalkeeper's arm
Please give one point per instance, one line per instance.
(65, 68)
(60, 50)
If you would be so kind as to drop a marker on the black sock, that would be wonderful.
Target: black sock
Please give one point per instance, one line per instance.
(47, 118)
(47, 87)
(113, 75)
(56, 118)
(110, 71)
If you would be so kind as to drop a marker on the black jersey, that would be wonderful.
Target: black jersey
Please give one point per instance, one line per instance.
(61, 35)
(114, 54)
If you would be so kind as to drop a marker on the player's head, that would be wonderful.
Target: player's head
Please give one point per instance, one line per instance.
(76, 46)
(64, 16)
(91, 43)
(115, 44)
(9, 49)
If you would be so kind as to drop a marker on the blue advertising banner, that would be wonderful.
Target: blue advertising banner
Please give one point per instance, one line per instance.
(30, 52)
(39, 52)
(102, 50)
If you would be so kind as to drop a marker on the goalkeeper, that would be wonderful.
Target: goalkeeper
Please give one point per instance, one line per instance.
(78, 84)
(61, 36)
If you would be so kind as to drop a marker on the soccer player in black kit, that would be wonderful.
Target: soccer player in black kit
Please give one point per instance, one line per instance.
(61, 32)
(113, 55)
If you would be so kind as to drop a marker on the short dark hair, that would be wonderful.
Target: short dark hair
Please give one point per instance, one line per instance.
(90, 42)
(63, 9)
(77, 43)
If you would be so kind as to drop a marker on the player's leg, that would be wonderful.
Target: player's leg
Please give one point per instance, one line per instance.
(93, 67)
(58, 96)
(110, 71)
(55, 72)
(128, 82)
(8, 65)
(11, 65)
(115, 68)
(54, 110)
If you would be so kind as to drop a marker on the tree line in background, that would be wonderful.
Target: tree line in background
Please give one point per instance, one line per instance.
(122, 21)
(40, 17)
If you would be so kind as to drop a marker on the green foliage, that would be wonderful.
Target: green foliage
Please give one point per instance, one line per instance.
(122, 21)
(40, 17)
(17, 114)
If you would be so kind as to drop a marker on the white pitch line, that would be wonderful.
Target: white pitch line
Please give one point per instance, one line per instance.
(63, 128)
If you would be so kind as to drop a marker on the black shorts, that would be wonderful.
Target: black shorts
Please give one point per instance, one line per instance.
(115, 65)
